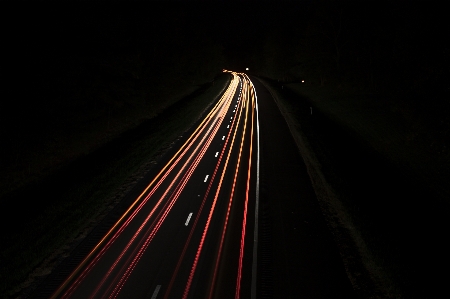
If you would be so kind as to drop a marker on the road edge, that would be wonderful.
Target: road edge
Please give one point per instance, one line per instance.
(367, 281)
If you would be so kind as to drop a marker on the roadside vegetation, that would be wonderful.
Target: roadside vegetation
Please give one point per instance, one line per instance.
(92, 79)
(381, 177)
(91, 96)
(377, 143)
(66, 204)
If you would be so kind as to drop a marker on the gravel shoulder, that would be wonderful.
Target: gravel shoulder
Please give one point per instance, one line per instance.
(299, 257)
(98, 184)
(387, 220)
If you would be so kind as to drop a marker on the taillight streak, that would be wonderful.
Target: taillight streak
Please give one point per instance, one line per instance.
(174, 197)
(244, 222)
(181, 258)
(166, 209)
(219, 253)
(149, 216)
(185, 147)
(205, 230)
(135, 212)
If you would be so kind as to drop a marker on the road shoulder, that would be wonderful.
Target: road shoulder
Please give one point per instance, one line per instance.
(294, 236)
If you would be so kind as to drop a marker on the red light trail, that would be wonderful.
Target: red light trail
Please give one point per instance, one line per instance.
(108, 268)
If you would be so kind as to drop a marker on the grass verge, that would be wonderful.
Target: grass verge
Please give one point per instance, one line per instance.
(368, 175)
(58, 210)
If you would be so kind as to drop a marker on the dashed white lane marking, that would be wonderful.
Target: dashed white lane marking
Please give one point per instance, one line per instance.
(217, 153)
(231, 117)
(223, 138)
(234, 110)
(206, 178)
(228, 126)
(155, 293)
(188, 219)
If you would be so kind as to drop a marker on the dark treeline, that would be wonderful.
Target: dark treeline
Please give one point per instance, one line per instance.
(364, 45)
(87, 72)
(112, 56)
(379, 72)
(396, 51)
(78, 65)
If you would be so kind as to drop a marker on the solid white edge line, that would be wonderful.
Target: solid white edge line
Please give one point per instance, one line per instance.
(155, 293)
(206, 178)
(255, 233)
(188, 219)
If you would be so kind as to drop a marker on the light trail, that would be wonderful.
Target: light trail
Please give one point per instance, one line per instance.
(205, 230)
(182, 255)
(224, 227)
(159, 219)
(225, 182)
(195, 135)
(68, 282)
(101, 243)
(255, 232)
(244, 222)
(192, 167)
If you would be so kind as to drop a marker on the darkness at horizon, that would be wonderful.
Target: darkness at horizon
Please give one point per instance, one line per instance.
(67, 65)
(60, 58)
(252, 35)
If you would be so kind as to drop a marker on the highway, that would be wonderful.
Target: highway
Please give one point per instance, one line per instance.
(191, 232)
(229, 213)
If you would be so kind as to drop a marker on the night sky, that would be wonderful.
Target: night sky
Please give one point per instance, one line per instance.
(45, 37)
(52, 51)
(71, 65)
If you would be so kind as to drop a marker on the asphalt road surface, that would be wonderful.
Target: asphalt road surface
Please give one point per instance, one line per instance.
(195, 229)
(299, 258)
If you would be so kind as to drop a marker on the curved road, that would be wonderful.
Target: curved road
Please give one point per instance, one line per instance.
(191, 232)
(188, 232)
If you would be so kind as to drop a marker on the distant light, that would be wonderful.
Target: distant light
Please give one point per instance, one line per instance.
(303, 81)
(246, 68)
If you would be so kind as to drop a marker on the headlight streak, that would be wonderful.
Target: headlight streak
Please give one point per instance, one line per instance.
(224, 227)
(72, 285)
(184, 181)
(182, 184)
(244, 222)
(194, 225)
(116, 235)
(205, 230)
(248, 94)
(170, 183)
(160, 218)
